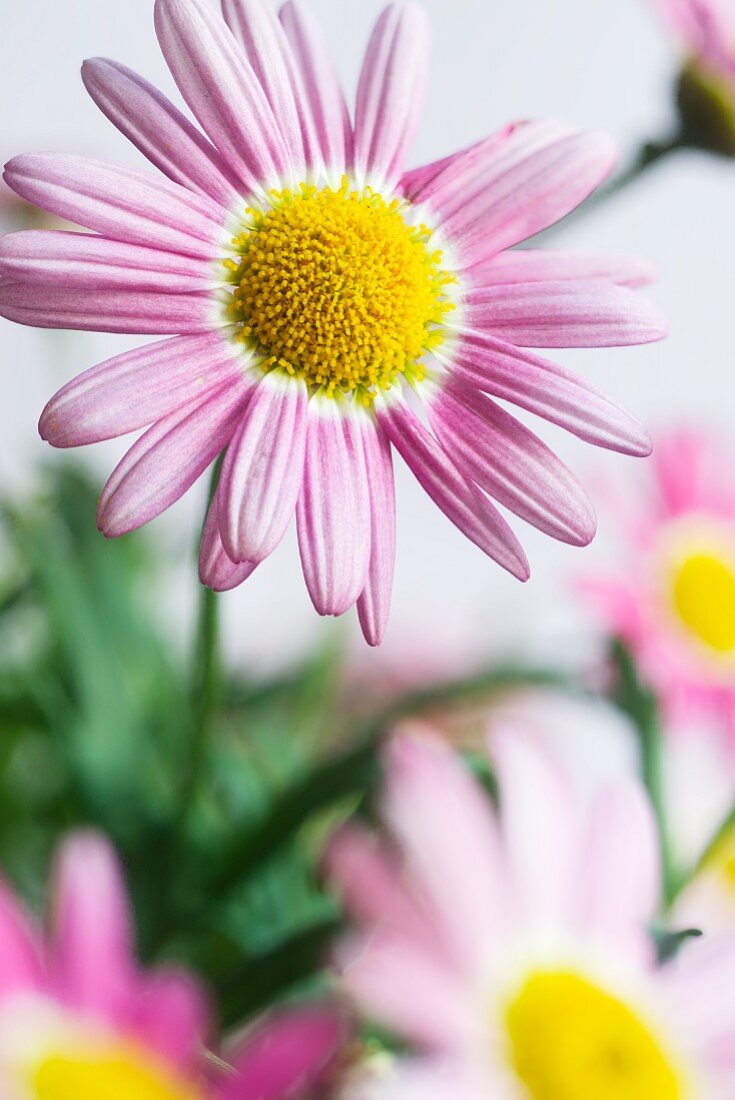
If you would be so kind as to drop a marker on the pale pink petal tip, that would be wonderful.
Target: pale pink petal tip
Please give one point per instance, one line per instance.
(216, 569)
(288, 1054)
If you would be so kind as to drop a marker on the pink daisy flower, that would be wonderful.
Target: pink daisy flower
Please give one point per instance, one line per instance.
(309, 284)
(707, 31)
(512, 947)
(79, 1020)
(672, 595)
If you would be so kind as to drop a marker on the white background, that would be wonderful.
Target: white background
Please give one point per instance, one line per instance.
(600, 63)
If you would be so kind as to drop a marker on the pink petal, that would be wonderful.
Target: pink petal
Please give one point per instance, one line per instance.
(541, 387)
(88, 262)
(333, 510)
(20, 955)
(619, 871)
(513, 185)
(373, 606)
(92, 960)
(450, 839)
(417, 181)
(511, 464)
(168, 459)
(171, 1017)
(460, 500)
(159, 130)
(144, 313)
(321, 90)
(216, 80)
(261, 36)
(288, 1054)
(128, 205)
(390, 93)
(530, 265)
(215, 568)
(261, 474)
(700, 987)
(566, 314)
(132, 390)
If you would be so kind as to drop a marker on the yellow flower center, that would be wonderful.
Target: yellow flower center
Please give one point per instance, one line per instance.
(117, 1074)
(336, 287)
(704, 600)
(573, 1041)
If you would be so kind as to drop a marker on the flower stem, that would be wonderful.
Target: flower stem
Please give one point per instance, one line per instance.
(726, 825)
(640, 705)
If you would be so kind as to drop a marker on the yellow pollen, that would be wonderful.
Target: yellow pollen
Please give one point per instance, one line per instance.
(703, 590)
(570, 1040)
(335, 287)
(117, 1074)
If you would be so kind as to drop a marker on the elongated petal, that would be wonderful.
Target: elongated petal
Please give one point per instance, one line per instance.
(132, 390)
(327, 107)
(333, 510)
(162, 133)
(416, 181)
(619, 888)
(289, 1054)
(460, 500)
(20, 955)
(171, 1017)
(91, 935)
(88, 262)
(515, 184)
(216, 80)
(543, 388)
(390, 93)
(511, 464)
(542, 265)
(256, 27)
(216, 570)
(145, 312)
(566, 314)
(373, 606)
(119, 202)
(168, 459)
(437, 810)
(261, 474)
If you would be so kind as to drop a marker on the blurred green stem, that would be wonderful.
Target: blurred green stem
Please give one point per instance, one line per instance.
(635, 700)
(724, 828)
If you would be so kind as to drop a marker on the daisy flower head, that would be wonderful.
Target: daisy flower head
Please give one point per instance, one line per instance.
(308, 283)
(511, 946)
(79, 1020)
(706, 93)
(672, 597)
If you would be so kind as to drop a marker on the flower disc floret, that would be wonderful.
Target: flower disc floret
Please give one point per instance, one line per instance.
(334, 285)
(703, 589)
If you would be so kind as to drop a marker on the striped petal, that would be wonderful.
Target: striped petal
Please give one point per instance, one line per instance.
(88, 262)
(168, 459)
(512, 186)
(565, 314)
(261, 474)
(132, 390)
(460, 500)
(373, 606)
(511, 464)
(390, 93)
(320, 87)
(541, 387)
(333, 511)
(537, 265)
(119, 202)
(216, 570)
(218, 83)
(91, 959)
(159, 130)
(257, 29)
(145, 312)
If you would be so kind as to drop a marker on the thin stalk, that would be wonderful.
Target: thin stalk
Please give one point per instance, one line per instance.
(726, 826)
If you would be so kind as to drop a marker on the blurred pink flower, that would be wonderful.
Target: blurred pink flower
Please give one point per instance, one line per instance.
(707, 31)
(311, 282)
(513, 948)
(671, 595)
(79, 1019)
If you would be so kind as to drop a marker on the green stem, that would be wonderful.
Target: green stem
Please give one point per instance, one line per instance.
(725, 827)
(635, 700)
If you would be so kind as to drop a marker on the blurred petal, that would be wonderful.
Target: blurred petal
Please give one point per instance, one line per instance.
(20, 956)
